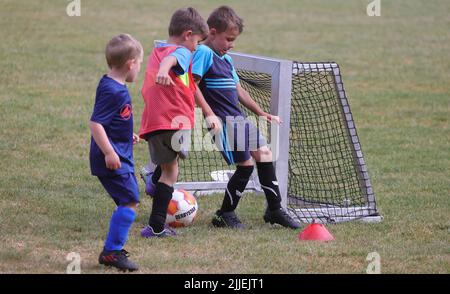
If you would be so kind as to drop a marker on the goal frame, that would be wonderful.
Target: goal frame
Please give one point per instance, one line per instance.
(281, 72)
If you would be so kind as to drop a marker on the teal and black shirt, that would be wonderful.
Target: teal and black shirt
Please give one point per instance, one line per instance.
(218, 81)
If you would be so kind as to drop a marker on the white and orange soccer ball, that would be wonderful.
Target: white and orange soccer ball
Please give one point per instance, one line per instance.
(182, 209)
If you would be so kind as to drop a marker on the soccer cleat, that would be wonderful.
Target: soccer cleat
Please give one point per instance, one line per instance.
(118, 259)
(146, 176)
(227, 220)
(147, 232)
(145, 172)
(150, 188)
(281, 217)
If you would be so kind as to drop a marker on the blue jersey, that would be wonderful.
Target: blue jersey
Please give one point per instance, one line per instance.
(218, 81)
(113, 111)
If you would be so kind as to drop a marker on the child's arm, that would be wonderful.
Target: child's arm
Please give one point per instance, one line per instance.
(162, 77)
(209, 115)
(248, 102)
(98, 133)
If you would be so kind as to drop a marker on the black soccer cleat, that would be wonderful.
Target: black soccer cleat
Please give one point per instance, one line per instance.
(281, 217)
(227, 220)
(118, 259)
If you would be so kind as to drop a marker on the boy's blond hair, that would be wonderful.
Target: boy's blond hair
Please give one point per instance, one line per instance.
(187, 19)
(122, 48)
(223, 18)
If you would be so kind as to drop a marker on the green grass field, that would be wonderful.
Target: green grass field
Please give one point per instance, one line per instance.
(396, 71)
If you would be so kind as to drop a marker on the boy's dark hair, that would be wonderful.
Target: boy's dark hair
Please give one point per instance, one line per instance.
(223, 18)
(187, 19)
(122, 48)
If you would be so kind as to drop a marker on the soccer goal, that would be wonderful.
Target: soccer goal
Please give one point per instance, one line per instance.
(320, 166)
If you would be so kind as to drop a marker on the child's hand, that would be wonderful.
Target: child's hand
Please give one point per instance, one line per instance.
(136, 139)
(112, 161)
(214, 124)
(274, 118)
(164, 79)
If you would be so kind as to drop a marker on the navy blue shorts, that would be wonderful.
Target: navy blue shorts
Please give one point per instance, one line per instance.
(238, 139)
(123, 189)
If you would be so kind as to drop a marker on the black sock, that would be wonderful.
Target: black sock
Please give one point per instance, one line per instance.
(235, 187)
(163, 195)
(156, 174)
(269, 183)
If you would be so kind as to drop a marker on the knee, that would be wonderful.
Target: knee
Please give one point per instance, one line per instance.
(132, 205)
(169, 173)
(263, 154)
(248, 162)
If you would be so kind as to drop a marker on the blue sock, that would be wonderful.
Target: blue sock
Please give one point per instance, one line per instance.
(121, 221)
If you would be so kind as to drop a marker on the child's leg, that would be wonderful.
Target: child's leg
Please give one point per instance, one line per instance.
(113, 253)
(236, 185)
(151, 166)
(125, 192)
(156, 174)
(234, 152)
(267, 177)
(161, 151)
(121, 221)
(268, 180)
(163, 195)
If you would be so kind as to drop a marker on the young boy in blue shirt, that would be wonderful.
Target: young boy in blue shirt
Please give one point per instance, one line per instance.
(219, 83)
(111, 152)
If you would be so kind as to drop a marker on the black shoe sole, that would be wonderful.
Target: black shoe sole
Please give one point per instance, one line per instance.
(118, 268)
(219, 224)
(267, 220)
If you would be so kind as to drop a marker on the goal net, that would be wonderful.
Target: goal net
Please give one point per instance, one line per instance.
(320, 166)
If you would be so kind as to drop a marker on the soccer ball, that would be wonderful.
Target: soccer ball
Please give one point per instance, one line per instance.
(182, 209)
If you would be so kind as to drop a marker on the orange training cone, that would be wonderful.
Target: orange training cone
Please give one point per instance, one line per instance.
(316, 232)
